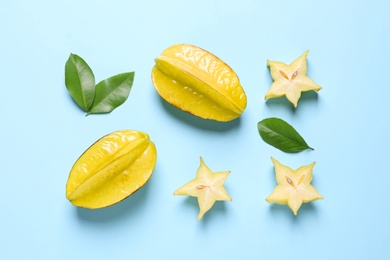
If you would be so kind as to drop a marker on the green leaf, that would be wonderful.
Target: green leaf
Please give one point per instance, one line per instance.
(281, 135)
(80, 81)
(111, 93)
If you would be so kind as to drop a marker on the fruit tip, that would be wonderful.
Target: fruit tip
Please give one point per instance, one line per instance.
(200, 215)
(274, 160)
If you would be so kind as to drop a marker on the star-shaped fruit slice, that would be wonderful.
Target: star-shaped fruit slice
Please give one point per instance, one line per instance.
(290, 80)
(207, 187)
(293, 187)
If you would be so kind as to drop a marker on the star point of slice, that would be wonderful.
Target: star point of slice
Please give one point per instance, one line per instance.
(207, 187)
(290, 80)
(293, 187)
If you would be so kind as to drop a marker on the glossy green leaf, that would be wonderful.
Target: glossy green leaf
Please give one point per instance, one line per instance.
(281, 135)
(80, 81)
(111, 93)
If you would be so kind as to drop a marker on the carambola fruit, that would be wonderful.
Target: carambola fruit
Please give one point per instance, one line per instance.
(196, 81)
(113, 168)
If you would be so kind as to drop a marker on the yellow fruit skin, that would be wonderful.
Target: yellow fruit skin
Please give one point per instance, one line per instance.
(198, 82)
(111, 169)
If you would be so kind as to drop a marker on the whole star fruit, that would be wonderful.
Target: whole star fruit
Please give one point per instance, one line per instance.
(207, 186)
(196, 81)
(293, 187)
(290, 80)
(111, 169)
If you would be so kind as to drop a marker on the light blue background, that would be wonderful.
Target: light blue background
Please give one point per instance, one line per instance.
(43, 132)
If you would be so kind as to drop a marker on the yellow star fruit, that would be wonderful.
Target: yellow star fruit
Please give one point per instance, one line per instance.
(196, 81)
(113, 168)
(290, 80)
(207, 187)
(293, 187)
